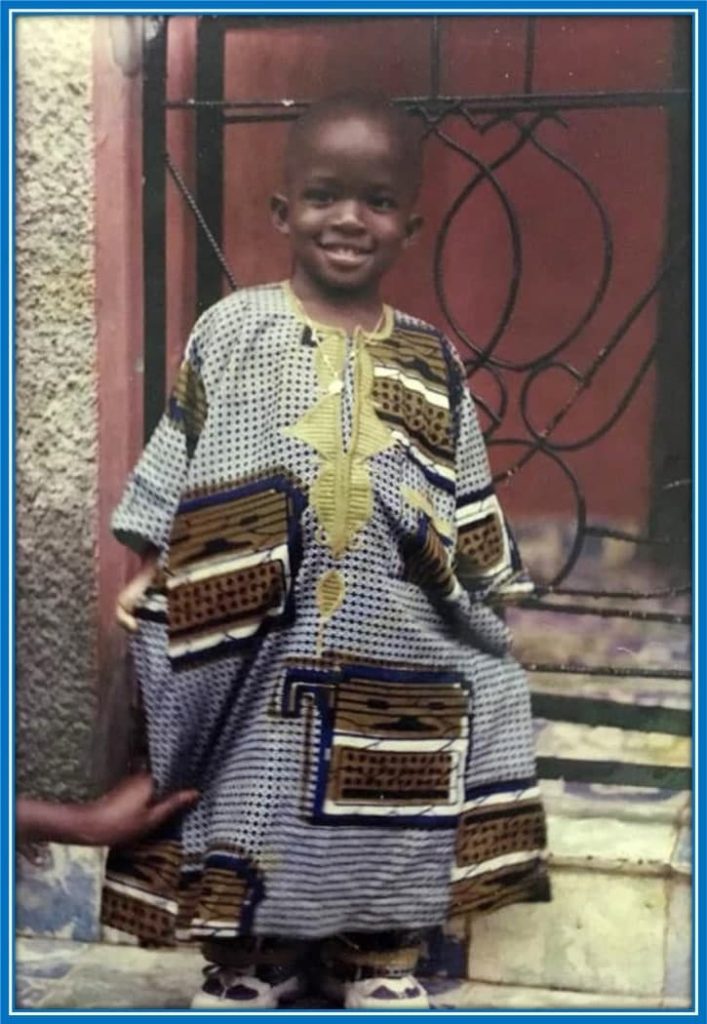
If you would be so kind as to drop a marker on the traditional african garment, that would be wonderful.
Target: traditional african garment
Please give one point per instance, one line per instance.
(319, 654)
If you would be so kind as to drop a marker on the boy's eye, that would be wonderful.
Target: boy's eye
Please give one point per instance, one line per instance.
(318, 196)
(382, 203)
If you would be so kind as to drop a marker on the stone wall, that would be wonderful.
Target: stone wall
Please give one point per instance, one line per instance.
(56, 405)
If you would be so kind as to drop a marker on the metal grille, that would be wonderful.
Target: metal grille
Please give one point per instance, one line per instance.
(524, 114)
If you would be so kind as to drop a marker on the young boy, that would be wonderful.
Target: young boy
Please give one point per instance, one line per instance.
(315, 650)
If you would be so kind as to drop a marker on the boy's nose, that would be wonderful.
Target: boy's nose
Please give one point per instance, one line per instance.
(347, 215)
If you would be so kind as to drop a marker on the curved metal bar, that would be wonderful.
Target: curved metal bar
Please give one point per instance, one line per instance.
(607, 261)
(486, 173)
(482, 127)
(495, 417)
(484, 353)
(525, 115)
(541, 436)
(526, 133)
(605, 427)
(498, 417)
(580, 504)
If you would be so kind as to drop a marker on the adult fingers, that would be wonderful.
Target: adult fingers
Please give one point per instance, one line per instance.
(172, 804)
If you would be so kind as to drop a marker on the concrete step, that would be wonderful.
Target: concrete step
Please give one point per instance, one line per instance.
(619, 924)
(56, 974)
(619, 927)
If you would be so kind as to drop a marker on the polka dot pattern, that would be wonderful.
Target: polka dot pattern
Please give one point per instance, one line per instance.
(258, 751)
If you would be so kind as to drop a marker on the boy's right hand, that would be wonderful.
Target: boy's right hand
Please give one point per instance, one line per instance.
(132, 593)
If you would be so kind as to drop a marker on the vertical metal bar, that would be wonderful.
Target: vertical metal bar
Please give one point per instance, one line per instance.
(671, 506)
(434, 57)
(209, 156)
(154, 226)
(529, 54)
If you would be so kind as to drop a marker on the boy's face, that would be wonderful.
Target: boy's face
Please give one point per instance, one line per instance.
(348, 208)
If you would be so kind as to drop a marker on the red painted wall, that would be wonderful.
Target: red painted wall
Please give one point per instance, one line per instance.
(623, 153)
(117, 115)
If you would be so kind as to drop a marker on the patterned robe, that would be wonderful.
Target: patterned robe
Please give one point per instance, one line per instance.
(319, 654)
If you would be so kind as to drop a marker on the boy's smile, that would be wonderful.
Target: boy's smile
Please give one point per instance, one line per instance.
(348, 209)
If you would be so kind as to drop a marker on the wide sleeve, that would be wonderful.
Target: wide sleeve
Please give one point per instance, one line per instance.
(487, 562)
(143, 517)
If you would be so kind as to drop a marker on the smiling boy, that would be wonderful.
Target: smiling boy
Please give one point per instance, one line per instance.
(316, 648)
(351, 184)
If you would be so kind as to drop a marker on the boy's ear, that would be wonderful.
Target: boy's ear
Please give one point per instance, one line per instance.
(279, 208)
(413, 228)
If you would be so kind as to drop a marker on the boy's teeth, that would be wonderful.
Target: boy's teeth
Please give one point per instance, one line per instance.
(344, 250)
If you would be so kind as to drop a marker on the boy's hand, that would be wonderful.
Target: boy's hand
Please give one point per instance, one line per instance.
(132, 593)
(130, 811)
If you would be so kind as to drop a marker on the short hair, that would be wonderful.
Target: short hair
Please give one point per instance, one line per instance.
(373, 106)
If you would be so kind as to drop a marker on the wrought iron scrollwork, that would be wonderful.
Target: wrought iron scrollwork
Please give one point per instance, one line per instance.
(526, 114)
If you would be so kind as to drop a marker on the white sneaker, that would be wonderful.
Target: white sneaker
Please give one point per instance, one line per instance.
(386, 994)
(232, 988)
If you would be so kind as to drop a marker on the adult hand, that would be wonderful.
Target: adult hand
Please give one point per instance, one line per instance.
(130, 811)
(124, 814)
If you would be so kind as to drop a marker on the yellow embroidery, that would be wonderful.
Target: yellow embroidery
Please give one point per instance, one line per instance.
(330, 593)
(419, 500)
(342, 494)
(329, 596)
(188, 406)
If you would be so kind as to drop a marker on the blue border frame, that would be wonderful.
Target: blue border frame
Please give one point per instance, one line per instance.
(699, 383)
(6, 504)
(697, 9)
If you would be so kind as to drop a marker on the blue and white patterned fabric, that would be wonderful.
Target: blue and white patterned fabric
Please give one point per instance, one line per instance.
(318, 654)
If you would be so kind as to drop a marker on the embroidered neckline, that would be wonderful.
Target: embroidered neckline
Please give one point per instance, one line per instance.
(342, 494)
(380, 332)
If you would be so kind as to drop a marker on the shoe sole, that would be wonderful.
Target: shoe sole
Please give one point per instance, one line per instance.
(418, 1003)
(335, 991)
(286, 992)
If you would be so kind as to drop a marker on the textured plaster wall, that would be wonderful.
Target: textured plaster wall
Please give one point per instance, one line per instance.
(56, 406)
